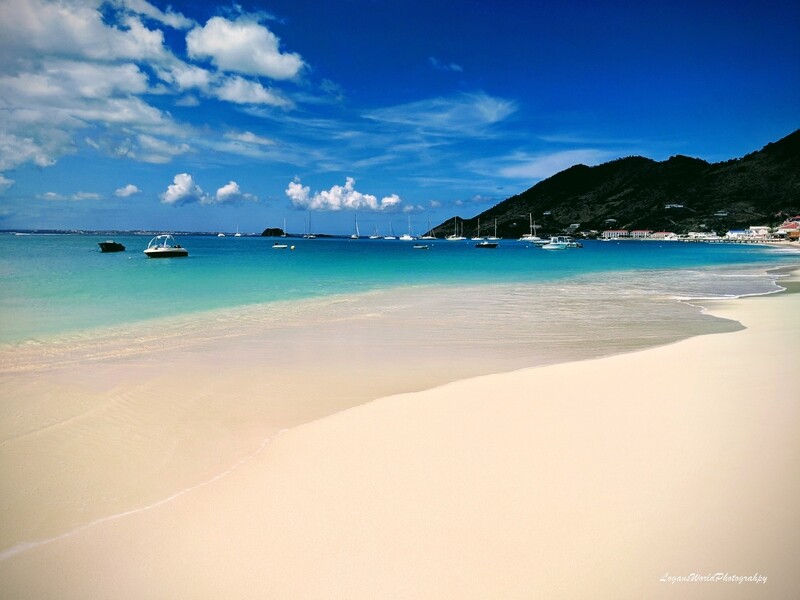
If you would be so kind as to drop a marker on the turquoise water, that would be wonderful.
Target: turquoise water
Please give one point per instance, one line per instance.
(56, 284)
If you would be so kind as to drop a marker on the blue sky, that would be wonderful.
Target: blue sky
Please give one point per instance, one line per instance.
(128, 114)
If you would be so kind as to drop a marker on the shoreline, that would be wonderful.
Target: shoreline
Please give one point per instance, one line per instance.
(471, 487)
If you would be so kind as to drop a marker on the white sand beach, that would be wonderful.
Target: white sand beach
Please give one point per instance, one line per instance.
(604, 478)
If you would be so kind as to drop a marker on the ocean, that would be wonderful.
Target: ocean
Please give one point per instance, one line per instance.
(60, 286)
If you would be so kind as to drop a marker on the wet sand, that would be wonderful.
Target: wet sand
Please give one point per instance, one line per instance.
(587, 479)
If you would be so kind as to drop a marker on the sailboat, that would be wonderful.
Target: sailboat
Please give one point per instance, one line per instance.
(407, 237)
(532, 237)
(284, 229)
(391, 235)
(455, 237)
(478, 237)
(308, 235)
(376, 235)
(494, 237)
(356, 233)
(237, 234)
(429, 235)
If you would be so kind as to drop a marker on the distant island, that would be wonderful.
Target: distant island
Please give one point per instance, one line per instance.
(679, 195)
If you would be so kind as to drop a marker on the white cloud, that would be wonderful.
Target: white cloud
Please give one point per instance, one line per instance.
(462, 115)
(5, 183)
(75, 29)
(540, 166)
(242, 91)
(242, 46)
(158, 151)
(78, 196)
(169, 18)
(128, 190)
(248, 137)
(338, 198)
(440, 66)
(230, 192)
(183, 191)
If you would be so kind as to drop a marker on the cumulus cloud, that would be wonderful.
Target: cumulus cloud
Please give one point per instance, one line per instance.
(243, 91)
(230, 192)
(75, 29)
(128, 190)
(169, 18)
(338, 198)
(242, 46)
(183, 190)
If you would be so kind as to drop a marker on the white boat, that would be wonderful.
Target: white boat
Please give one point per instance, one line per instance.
(356, 233)
(532, 237)
(429, 235)
(455, 237)
(408, 237)
(279, 246)
(478, 237)
(494, 238)
(421, 246)
(220, 235)
(237, 234)
(164, 246)
(376, 235)
(561, 242)
(391, 235)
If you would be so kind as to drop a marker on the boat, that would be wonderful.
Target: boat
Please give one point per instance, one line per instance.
(429, 235)
(220, 235)
(494, 237)
(111, 246)
(391, 235)
(561, 242)
(164, 246)
(455, 237)
(478, 237)
(356, 233)
(237, 234)
(485, 244)
(376, 235)
(421, 247)
(408, 237)
(532, 237)
(279, 246)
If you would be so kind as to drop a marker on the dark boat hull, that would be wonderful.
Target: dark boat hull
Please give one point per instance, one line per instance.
(170, 253)
(111, 247)
(486, 245)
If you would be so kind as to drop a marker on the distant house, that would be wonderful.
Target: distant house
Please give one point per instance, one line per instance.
(721, 213)
(664, 235)
(671, 206)
(736, 234)
(788, 229)
(760, 231)
(614, 234)
(640, 234)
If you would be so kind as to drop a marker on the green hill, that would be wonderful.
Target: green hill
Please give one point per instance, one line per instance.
(680, 194)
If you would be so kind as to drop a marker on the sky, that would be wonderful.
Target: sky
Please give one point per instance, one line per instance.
(207, 116)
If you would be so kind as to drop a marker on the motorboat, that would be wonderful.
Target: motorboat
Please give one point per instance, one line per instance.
(561, 242)
(111, 246)
(421, 246)
(485, 244)
(164, 246)
(279, 246)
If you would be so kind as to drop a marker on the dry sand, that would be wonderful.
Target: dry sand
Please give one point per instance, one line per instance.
(592, 479)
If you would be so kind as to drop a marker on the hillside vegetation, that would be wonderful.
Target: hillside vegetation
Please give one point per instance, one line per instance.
(680, 194)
